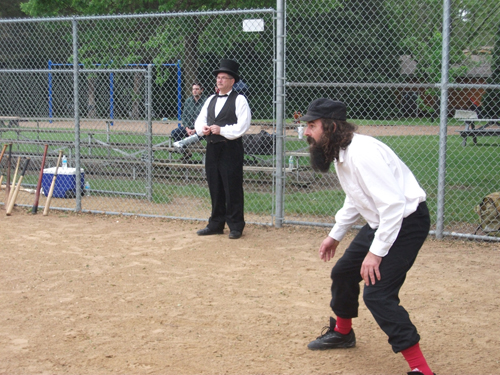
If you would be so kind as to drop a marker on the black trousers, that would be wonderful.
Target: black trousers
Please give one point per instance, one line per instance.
(224, 168)
(382, 299)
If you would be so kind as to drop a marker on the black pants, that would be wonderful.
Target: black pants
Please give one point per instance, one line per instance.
(382, 299)
(224, 168)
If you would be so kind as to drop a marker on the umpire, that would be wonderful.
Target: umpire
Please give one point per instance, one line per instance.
(223, 119)
(380, 188)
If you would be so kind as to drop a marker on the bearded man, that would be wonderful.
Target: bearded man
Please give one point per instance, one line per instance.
(380, 188)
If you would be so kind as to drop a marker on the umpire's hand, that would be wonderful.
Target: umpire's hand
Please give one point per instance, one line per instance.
(206, 130)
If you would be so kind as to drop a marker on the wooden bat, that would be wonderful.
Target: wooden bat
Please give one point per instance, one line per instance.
(13, 181)
(18, 186)
(7, 179)
(3, 152)
(52, 185)
(1, 157)
(39, 185)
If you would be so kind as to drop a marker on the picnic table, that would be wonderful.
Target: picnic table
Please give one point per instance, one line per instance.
(490, 128)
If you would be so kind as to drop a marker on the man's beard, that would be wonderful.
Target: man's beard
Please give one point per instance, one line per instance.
(319, 161)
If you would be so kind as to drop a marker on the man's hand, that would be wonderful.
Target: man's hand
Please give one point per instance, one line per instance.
(206, 130)
(370, 268)
(215, 129)
(327, 248)
(190, 131)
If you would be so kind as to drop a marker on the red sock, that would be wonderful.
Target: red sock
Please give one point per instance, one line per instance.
(416, 360)
(343, 326)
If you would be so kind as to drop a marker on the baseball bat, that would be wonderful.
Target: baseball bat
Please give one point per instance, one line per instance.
(13, 180)
(39, 185)
(3, 152)
(52, 185)
(7, 177)
(16, 190)
(1, 157)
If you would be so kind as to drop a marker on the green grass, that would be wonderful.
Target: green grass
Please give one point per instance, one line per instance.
(471, 172)
(406, 122)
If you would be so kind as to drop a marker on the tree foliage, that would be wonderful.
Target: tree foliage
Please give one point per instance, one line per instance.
(491, 100)
(134, 41)
(40, 8)
(346, 41)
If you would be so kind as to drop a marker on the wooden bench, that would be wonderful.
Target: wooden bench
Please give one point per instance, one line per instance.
(489, 129)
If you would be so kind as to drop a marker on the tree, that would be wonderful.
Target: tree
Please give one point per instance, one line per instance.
(491, 100)
(144, 40)
(346, 41)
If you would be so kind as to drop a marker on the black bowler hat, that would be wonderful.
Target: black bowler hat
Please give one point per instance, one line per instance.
(325, 108)
(230, 67)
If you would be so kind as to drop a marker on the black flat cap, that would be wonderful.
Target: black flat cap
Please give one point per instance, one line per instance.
(325, 108)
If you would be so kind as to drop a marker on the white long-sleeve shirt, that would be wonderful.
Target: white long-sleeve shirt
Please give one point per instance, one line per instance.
(232, 131)
(379, 187)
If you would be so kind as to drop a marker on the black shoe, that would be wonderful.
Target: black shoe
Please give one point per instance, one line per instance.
(331, 339)
(207, 232)
(416, 373)
(234, 235)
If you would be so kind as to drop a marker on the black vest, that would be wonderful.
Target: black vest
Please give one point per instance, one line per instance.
(227, 116)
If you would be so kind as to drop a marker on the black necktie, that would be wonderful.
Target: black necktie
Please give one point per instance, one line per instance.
(222, 96)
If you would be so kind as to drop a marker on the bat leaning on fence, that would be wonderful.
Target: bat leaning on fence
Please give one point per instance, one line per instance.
(1, 157)
(39, 185)
(3, 152)
(13, 182)
(16, 190)
(7, 179)
(52, 185)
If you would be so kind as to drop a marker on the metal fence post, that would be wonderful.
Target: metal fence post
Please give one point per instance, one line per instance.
(111, 97)
(280, 111)
(443, 120)
(179, 92)
(149, 105)
(77, 116)
(50, 92)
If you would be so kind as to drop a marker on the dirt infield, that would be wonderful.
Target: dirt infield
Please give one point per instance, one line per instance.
(91, 294)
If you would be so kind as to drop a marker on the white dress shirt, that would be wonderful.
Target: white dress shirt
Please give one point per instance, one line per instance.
(232, 131)
(379, 187)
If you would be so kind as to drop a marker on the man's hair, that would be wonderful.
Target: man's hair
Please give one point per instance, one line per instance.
(339, 134)
(197, 84)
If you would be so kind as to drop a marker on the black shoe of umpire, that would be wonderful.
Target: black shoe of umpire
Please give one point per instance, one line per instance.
(331, 339)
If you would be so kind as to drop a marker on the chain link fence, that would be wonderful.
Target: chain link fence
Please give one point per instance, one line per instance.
(385, 60)
(132, 78)
(422, 76)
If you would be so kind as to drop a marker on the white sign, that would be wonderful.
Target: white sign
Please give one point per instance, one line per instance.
(256, 25)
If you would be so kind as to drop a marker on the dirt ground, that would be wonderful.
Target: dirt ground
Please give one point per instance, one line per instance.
(91, 294)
